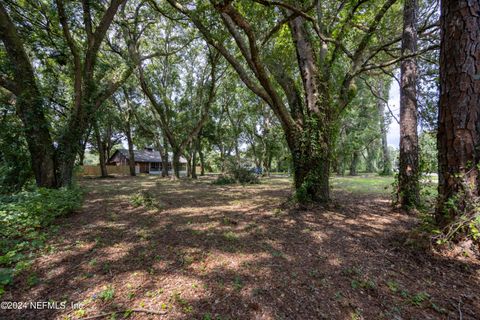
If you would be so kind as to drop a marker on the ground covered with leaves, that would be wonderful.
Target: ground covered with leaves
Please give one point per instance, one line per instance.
(151, 248)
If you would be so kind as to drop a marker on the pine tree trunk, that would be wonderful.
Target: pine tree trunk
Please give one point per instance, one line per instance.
(459, 124)
(408, 177)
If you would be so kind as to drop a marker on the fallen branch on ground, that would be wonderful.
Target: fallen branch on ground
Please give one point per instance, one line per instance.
(123, 311)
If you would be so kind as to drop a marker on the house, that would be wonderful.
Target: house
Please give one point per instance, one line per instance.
(147, 160)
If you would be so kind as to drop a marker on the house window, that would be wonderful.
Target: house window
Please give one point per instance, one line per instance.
(155, 166)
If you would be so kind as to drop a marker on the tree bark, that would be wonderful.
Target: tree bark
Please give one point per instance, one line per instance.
(29, 105)
(311, 174)
(101, 151)
(194, 160)
(176, 165)
(371, 159)
(354, 163)
(131, 153)
(408, 177)
(459, 124)
(312, 178)
(202, 160)
(164, 154)
(88, 97)
(189, 166)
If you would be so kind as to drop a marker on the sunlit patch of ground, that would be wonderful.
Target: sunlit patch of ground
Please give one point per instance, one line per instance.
(239, 252)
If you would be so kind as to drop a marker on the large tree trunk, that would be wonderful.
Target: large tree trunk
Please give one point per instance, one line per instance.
(312, 172)
(176, 165)
(408, 177)
(459, 123)
(131, 154)
(29, 106)
(311, 177)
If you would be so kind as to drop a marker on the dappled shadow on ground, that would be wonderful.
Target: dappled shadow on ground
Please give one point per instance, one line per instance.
(236, 252)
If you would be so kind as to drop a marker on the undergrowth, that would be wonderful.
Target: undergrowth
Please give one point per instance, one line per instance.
(237, 175)
(24, 221)
(145, 199)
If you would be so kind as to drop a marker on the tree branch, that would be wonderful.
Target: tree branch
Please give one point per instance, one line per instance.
(10, 85)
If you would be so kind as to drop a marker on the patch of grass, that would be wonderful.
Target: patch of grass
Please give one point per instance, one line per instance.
(80, 313)
(418, 298)
(393, 286)
(371, 184)
(145, 199)
(352, 271)
(363, 284)
(107, 293)
(177, 298)
(230, 236)
(237, 283)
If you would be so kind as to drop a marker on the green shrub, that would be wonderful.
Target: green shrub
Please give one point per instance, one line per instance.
(237, 175)
(145, 199)
(23, 220)
(223, 180)
(244, 175)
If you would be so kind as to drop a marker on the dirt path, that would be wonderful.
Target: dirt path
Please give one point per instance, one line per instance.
(231, 252)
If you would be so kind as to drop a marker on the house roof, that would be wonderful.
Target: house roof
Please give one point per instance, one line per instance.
(146, 155)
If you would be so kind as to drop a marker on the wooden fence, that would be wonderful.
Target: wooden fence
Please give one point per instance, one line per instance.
(123, 170)
(95, 170)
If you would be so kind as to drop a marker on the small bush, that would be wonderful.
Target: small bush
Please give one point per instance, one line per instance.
(145, 199)
(224, 180)
(244, 175)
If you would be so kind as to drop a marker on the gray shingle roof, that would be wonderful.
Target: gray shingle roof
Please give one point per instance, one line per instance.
(148, 156)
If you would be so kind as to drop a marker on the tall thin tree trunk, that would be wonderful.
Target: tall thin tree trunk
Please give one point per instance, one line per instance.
(459, 123)
(202, 161)
(386, 162)
(131, 153)
(101, 151)
(408, 177)
(354, 163)
(164, 155)
(370, 159)
(194, 162)
(189, 165)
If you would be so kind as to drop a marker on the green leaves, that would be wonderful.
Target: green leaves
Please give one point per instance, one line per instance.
(23, 217)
